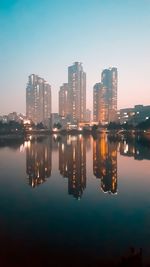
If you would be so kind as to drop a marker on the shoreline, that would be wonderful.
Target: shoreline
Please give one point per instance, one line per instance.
(111, 133)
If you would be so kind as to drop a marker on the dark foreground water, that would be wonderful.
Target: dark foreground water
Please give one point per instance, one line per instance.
(73, 201)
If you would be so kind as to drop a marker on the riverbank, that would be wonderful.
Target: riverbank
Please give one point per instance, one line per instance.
(113, 135)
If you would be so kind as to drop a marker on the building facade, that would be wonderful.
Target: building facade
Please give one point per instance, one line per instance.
(100, 104)
(63, 100)
(77, 91)
(96, 90)
(38, 100)
(105, 97)
(88, 115)
(135, 115)
(109, 79)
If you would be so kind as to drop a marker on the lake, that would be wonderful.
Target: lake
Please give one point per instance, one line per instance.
(73, 200)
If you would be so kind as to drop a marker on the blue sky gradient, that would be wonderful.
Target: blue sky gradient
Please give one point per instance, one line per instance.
(46, 36)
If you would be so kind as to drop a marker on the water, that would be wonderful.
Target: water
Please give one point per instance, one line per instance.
(73, 200)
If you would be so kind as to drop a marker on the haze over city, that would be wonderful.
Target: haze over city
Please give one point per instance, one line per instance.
(46, 38)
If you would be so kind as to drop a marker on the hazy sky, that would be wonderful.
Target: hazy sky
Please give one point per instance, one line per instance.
(46, 36)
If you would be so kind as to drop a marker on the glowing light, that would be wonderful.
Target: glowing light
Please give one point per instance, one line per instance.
(55, 129)
(22, 148)
(27, 144)
(62, 147)
(126, 148)
(26, 122)
(80, 129)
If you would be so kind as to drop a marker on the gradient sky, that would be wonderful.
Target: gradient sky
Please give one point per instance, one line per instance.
(46, 36)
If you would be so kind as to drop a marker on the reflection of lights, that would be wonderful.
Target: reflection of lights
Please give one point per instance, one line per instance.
(126, 148)
(73, 138)
(62, 147)
(74, 153)
(27, 144)
(22, 148)
(69, 140)
(55, 129)
(80, 129)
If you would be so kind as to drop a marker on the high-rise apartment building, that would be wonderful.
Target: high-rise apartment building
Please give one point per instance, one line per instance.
(38, 100)
(88, 115)
(63, 100)
(77, 91)
(100, 103)
(96, 90)
(105, 97)
(109, 79)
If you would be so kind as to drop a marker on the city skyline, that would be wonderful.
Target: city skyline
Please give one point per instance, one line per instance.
(47, 46)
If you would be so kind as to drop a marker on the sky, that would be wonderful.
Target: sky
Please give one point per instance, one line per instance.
(46, 36)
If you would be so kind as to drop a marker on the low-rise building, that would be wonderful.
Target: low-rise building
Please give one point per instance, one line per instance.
(134, 115)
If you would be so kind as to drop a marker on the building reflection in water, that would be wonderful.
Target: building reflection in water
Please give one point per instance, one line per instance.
(38, 160)
(72, 163)
(72, 159)
(105, 163)
(130, 148)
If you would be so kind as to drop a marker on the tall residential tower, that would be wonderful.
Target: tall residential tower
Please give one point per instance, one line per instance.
(77, 91)
(63, 100)
(105, 97)
(109, 79)
(38, 100)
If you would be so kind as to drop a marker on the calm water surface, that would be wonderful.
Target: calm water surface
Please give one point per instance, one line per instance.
(73, 199)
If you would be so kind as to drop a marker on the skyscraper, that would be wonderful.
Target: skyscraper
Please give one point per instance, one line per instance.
(63, 100)
(109, 79)
(100, 103)
(77, 91)
(38, 99)
(105, 97)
